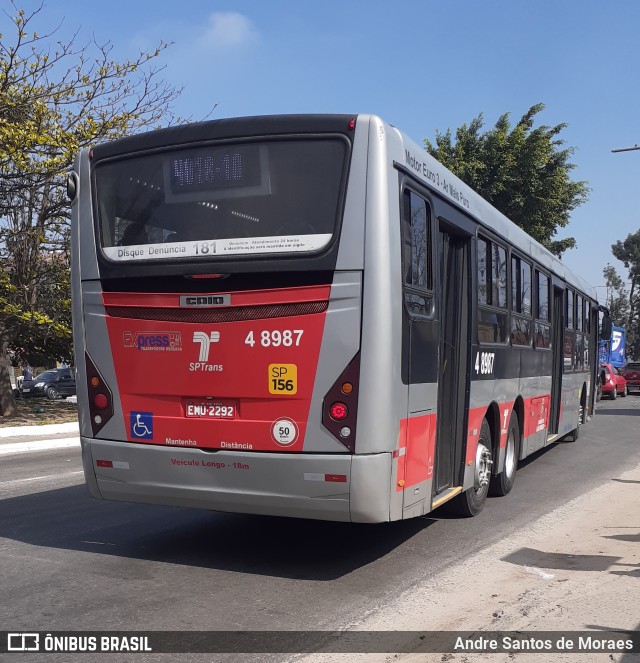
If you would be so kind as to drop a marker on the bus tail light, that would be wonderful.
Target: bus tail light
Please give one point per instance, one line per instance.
(100, 397)
(101, 401)
(340, 405)
(338, 411)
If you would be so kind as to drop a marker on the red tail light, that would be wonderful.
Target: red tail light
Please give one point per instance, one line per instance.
(338, 411)
(100, 397)
(101, 402)
(340, 405)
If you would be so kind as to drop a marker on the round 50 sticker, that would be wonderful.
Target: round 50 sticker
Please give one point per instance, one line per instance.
(284, 432)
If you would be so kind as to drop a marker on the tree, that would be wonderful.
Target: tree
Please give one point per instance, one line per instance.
(524, 172)
(628, 252)
(56, 97)
(617, 299)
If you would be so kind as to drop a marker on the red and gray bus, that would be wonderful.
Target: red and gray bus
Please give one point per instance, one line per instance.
(309, 316)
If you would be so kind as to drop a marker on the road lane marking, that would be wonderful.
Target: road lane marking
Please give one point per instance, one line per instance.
(38, 445)
(48, 476)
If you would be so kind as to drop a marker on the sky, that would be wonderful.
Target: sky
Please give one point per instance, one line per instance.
(421, 65)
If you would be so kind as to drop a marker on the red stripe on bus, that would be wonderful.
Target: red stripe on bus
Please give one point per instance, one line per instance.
(417, 436)
(476, 415)
(243, 298)
(536, 418)
(336, 478)
(536, 414)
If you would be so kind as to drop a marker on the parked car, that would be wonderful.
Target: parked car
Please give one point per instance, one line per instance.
(53, 384)
(612, 382)
(631, 373)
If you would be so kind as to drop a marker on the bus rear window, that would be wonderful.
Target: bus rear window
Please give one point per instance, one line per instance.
(272, 197)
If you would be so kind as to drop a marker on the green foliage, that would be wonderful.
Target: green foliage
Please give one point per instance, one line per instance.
(617, 300)
(521, 170)
(628, 252)
(39, 335)
(56, 97)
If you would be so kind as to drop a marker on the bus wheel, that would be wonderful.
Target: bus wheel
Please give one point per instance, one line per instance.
(470, 502)
(573, 435)
(503, 483)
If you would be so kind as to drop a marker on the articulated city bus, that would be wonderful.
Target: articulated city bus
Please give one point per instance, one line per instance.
(309, 316)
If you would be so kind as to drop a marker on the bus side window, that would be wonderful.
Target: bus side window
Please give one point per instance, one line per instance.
(569, 334)
(417, 266)
(492, 292)
(520, 302)
(543, 318)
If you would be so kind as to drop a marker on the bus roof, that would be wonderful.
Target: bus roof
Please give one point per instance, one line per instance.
(454, 190)
(405, 153)
(236, 127)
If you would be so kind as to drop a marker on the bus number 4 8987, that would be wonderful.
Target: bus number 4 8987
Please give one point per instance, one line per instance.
(484, 362)
(276, 338)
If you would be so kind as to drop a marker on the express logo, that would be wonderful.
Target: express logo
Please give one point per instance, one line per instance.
(154, 341)
(204, 341)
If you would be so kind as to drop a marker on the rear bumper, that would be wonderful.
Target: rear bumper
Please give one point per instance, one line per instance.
(337, 487)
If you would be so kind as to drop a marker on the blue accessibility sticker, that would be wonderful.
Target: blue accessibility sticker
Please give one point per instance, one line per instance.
(141, 424)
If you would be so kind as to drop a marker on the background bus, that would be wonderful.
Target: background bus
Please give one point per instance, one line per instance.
(309, 316)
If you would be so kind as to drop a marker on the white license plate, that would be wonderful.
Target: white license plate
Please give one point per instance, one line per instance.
(26, 390)
(205, 409)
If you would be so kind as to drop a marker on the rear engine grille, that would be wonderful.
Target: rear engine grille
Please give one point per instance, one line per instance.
(232, 314)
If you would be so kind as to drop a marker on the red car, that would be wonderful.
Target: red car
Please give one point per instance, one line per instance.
(631, 373)
(612, 382)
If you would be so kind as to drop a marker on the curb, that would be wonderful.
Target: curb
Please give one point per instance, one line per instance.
(36, 431)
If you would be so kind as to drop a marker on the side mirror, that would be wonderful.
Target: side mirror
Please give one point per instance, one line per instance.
(72, 186)
(605, 329)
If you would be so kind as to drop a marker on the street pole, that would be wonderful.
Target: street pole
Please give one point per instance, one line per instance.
(627, 149)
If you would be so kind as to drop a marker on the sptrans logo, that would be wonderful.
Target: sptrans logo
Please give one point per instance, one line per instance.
(154, 341)
(204, 341)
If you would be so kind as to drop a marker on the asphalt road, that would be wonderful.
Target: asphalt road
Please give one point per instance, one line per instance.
(69, 562)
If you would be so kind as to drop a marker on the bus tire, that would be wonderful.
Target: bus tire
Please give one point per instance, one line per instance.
(582, 412)
(573, 435)
(471, 502)
(502, 483)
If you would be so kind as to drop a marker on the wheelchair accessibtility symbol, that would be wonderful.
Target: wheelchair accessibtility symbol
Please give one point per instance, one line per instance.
(141, 425)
